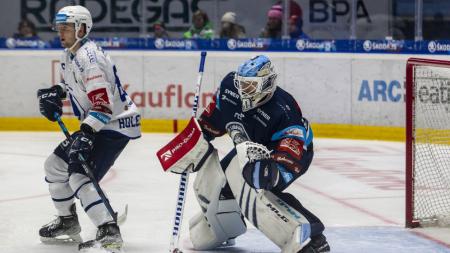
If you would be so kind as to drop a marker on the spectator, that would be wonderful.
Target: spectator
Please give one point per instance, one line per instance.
(201, 27)
(294, 9)
(295, 28)
(159, 30)
(230, 29)
(274, 23)
(26, 30)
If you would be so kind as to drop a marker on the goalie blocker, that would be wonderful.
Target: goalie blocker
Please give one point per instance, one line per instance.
(187, 151)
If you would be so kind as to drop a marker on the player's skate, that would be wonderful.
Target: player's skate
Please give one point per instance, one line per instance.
(64, 229)
(318, 244)
(108, 237)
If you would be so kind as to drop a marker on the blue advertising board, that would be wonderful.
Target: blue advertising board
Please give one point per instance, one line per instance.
(251, 44)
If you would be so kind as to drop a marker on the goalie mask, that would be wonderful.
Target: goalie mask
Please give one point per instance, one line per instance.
(255, 82)
(77, 15)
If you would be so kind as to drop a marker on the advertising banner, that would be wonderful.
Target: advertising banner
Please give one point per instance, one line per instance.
(330, 88)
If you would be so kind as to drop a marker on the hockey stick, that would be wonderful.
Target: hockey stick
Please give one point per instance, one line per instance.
(184, 180)
(89, 173)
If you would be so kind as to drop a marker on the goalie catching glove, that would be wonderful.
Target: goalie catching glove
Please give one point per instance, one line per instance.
(187, 151)
(259, 169)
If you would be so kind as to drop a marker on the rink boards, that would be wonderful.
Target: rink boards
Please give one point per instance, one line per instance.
(343, 95)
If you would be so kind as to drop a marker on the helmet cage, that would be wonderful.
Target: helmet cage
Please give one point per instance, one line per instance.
(256, 90)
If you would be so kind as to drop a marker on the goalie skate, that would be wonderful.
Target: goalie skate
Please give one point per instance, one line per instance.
(64, 229)
(317, 244)
(108, 238)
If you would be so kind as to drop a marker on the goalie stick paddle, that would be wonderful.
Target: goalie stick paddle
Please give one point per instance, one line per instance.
(88, 171)
(184, 180)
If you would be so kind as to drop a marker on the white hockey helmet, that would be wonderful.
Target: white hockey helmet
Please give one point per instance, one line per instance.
(255, 81)
(77, 15)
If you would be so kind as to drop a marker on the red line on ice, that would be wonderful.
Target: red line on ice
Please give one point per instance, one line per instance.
(347, 204)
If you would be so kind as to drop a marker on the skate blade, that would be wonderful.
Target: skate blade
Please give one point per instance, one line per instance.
(63, 239)
(97, 246)
(228, 243)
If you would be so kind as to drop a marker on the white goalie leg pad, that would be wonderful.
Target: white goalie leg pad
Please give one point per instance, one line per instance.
(57, 177)
(281, 223)
(90, 199)
(220, 220)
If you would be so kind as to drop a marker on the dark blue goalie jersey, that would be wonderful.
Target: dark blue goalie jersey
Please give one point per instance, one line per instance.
(277, 124)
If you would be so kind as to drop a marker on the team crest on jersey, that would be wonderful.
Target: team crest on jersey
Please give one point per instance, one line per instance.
(237, 132)
(99, 97)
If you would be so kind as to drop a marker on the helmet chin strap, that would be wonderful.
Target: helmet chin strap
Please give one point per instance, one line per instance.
(73, 46)
(78, 39)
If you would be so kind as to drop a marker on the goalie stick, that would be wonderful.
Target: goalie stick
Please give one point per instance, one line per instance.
(184, 180)
(122, 218)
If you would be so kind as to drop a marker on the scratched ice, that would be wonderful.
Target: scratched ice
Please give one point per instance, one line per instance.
(355, 187)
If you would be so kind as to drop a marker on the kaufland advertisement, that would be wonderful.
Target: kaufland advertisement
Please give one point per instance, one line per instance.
(358, 89)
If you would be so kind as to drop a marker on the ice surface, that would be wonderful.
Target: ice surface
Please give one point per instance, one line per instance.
(355, 187)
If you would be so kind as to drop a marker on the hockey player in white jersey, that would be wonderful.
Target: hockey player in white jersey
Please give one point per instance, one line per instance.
(108, 120)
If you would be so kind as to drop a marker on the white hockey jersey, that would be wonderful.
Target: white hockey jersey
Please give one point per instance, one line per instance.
(90, 79)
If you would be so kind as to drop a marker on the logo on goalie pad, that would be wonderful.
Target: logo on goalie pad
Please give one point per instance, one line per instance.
(167, 155)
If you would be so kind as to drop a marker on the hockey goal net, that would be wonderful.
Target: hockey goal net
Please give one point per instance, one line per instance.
(427, 143)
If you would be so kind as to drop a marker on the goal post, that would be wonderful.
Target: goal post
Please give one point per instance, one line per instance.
(427, 143)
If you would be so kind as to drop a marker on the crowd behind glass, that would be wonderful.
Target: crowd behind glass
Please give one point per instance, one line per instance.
(404, 24)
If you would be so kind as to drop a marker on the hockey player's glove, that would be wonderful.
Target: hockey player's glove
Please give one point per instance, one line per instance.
(258, 168)
(81, 147)
(50, 101)
(262, 174)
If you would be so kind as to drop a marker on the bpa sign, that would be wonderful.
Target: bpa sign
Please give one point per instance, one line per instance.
(322, 11)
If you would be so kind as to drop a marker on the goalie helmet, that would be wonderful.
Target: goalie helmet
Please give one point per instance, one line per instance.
(77, 15)
(255, 82)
